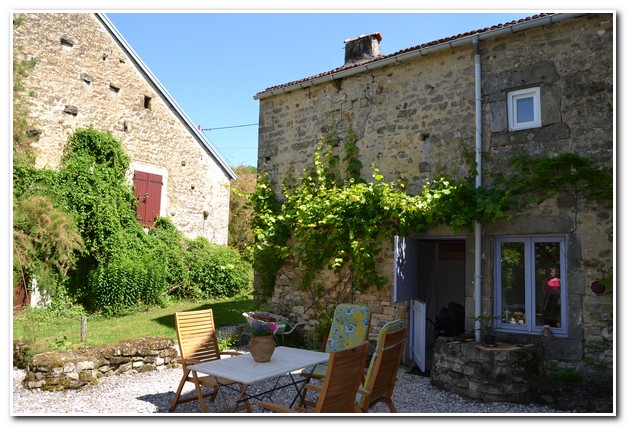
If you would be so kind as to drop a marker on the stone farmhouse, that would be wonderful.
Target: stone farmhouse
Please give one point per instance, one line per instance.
(86, 74)
(543, 85)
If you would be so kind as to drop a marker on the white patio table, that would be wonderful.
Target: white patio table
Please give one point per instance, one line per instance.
(243, 369)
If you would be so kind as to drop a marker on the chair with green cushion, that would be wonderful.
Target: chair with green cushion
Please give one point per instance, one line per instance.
(350, 328)
(381, 375)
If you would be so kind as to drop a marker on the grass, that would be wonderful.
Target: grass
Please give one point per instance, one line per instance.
(40, 330)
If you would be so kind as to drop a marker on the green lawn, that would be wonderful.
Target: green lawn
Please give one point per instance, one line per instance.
(41, 331)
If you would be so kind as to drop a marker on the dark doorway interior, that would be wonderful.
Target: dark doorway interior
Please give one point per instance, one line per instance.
(446, 294)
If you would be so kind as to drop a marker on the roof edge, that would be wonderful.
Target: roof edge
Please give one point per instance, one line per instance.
(420, 50)
(164, 93)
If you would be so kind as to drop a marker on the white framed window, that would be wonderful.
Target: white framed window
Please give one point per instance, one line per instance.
(523, 109)
(530, 284)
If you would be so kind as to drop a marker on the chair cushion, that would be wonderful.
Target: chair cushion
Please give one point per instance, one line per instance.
(349, 328)
(392, 326)
(319, 371)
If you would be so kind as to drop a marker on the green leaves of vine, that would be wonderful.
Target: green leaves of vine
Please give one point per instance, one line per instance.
(334, 222)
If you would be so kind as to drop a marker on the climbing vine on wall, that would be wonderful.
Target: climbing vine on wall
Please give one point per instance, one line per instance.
(333, 219)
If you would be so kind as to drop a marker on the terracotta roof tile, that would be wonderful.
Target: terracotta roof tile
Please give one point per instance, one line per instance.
(410, 49)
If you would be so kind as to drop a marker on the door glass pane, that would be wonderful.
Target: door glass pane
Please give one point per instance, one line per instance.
(548, 284)
(524, 110)
(513, 282)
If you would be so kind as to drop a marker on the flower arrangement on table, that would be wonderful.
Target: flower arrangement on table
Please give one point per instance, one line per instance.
(262, 340)
(262, 329)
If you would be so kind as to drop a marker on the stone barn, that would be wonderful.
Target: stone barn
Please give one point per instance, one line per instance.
(86, 74)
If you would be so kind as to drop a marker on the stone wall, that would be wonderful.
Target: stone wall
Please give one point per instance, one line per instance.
(58, 370)
(84, 78)
(498, 374)
(416, 119)
(298, 306)
(511, 372)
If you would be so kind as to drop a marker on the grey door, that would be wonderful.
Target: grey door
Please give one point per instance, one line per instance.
(406, 289)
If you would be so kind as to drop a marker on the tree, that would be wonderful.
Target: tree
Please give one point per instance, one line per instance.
(240, 210)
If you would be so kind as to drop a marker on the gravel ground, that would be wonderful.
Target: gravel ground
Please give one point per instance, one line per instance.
(152, 393)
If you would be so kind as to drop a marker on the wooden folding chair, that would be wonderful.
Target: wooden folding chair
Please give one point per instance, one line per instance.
(339, 389)
(198, 343)
(381, 375)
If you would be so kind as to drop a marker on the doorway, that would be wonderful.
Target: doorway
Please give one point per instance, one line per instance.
(431, 275)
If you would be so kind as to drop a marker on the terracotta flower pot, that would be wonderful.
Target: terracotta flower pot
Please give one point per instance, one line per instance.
(261, 348)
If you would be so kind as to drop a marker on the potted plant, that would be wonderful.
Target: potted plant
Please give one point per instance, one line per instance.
(487, 329)
(262, 342)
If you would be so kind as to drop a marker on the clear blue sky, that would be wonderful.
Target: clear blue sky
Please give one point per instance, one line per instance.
(213, 63)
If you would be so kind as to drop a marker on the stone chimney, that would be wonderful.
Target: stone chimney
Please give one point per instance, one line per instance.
(362, 48)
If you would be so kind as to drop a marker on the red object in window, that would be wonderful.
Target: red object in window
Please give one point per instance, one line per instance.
(148, 188)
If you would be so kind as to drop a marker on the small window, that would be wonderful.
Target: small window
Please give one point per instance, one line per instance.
(147, 102)
(523, 109)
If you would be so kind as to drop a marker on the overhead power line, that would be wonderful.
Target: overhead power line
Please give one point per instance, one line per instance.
(227, 127)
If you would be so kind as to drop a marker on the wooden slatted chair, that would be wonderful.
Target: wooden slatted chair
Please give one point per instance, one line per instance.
(198, 343)
(338, 391)
(381, 375)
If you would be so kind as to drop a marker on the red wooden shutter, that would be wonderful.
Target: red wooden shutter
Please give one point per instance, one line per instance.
(153, 204)
(141, 193)
(148, 192)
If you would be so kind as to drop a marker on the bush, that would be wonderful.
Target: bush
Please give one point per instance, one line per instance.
(168, 241)
(120, 268)
(127, 281)
(45, 243)
(91, 239)
(217, 271)
(565, 374)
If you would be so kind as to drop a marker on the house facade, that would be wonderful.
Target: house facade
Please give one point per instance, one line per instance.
(87, 75)
(543, 86)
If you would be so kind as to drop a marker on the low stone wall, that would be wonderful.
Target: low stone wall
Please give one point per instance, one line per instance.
(502, 373)
(58, 370)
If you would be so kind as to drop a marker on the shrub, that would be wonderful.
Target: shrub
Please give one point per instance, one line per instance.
(45, 243)
(565, 374)
(217, 271)
(168, 241)
(126, 281)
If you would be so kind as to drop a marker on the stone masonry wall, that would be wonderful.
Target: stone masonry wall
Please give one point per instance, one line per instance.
(83, 78)
(502, 373)
(417, 118)
(58, 370)
(511, 373)
(287, 300)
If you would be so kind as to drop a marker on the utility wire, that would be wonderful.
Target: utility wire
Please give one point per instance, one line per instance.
(230, 127)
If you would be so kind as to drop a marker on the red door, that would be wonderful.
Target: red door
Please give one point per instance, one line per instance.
(148, 188)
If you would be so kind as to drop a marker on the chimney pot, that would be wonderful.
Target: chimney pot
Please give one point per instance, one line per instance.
(362, 48)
